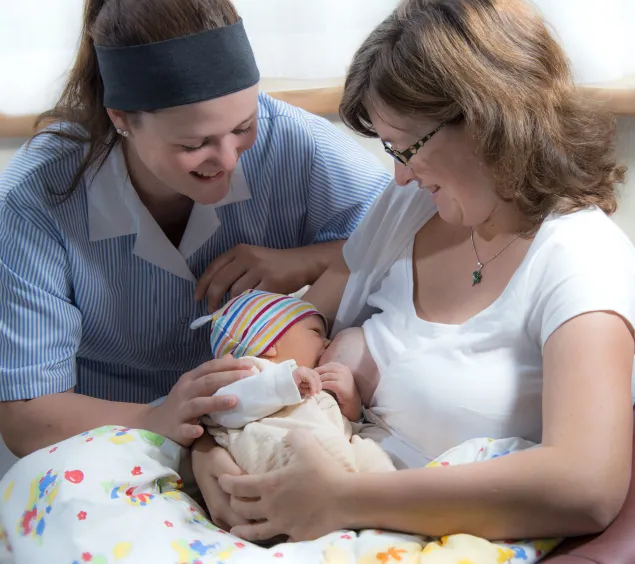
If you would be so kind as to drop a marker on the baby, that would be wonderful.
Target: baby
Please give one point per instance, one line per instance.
(286, 338)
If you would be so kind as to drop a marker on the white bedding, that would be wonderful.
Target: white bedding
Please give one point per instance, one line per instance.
(113, 495)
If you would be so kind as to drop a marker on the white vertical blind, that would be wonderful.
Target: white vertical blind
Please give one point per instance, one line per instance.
(292, 39)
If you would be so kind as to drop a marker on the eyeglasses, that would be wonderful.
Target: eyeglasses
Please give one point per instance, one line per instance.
(404, 157)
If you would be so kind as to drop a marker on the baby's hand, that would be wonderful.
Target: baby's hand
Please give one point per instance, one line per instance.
(308, 381)
(338, 379)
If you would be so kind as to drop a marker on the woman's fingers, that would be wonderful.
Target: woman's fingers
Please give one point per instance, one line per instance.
(213, 268)
(197, 407)
(221, 463)
(221, 365)
(247, 509)
(218, 504)
(241, 486)
(255, 531)
(189, 432)
(207, 461)
(315, 383)
(222, 281)
(246, 282)
(233, 519)
(329, 376)
(210, 383)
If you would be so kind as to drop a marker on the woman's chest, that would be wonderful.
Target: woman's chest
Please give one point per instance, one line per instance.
(133, 308)
(449, 283)
(442, 383)
(438, 390)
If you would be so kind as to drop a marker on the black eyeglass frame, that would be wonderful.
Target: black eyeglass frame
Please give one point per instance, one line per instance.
(404, 156)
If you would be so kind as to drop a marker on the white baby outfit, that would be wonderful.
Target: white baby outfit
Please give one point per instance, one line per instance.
(269, 406)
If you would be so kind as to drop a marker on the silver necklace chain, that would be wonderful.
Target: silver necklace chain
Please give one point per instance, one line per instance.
(477, 275)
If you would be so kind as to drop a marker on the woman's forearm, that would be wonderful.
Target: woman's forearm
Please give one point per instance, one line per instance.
(27, 426)
(532, 494)
(327, 292)
(317, 258)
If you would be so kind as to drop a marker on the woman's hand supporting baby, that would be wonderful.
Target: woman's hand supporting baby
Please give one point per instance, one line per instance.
(193, 396)
(209, 462)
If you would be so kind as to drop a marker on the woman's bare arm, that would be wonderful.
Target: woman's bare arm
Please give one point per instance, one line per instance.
(27, 426)
(326, 294)
(574, 484)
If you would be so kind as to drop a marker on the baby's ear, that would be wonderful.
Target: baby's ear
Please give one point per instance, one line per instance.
(271, 352)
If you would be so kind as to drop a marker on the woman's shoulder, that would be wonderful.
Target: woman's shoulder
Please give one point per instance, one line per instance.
(282, 114)
(292, 137)
(584, 233)
(43, 166)
(404, 202)
(277, 118)
(391, 223)
(581, 262)
(398, 209)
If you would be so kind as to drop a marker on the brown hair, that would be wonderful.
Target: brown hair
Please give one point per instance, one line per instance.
(119, 23)
(494, 64)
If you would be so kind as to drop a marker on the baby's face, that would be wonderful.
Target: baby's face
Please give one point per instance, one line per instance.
(304, 342)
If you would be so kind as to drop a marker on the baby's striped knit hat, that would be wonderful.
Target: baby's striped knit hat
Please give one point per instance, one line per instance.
(250, 323)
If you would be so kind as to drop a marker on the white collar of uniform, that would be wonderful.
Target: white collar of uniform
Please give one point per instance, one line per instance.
(115, 210)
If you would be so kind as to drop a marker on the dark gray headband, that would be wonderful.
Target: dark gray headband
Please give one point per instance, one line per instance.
(178, 71)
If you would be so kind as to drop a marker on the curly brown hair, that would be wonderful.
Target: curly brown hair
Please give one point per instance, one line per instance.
(494, 64)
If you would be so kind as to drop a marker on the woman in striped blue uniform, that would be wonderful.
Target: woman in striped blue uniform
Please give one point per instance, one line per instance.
(163, 165)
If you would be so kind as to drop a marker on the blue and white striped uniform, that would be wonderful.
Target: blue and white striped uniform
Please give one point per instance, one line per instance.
(92, 293)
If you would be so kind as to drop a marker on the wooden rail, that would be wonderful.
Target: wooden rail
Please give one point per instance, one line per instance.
(323, 98)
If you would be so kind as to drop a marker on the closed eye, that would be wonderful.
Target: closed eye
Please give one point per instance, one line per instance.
(189, 149)
(244, 131)
(192, 149)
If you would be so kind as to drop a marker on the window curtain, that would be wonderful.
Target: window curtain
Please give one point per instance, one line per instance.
(309, 40)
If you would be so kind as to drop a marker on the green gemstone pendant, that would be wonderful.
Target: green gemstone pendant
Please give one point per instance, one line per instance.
(477, 276)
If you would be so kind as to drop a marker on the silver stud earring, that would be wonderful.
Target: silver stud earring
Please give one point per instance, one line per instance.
(122, 132)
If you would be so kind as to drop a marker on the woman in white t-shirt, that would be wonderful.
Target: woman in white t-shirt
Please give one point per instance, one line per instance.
(501, 291)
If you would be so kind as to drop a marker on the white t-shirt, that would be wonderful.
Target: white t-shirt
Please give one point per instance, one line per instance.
(444, 384)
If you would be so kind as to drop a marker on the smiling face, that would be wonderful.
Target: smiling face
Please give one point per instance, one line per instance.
(447, 165)
(190, 150)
